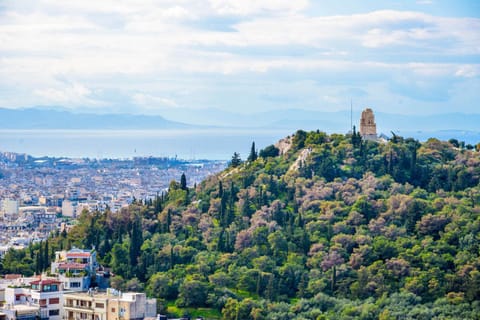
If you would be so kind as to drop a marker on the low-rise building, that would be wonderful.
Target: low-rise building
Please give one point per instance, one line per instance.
(75, 268)
(69, 208)
(86, 306)
(109, 305)
(19, 312)
(45, 295)
(74, 261)
(48, 295)
(9, 208)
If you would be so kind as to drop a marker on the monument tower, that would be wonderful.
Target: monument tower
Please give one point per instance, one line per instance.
(368, 127)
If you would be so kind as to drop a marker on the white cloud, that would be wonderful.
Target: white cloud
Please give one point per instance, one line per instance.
(125, 45)
(424, 1)
(468, 71)
(248, 7)
(69, 95)
(147, 101)
(375, 29)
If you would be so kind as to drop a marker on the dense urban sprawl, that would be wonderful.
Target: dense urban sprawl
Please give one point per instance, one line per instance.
(40, 195)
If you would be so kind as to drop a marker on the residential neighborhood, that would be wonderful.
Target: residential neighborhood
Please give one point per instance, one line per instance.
(43, 195)
(67, 292)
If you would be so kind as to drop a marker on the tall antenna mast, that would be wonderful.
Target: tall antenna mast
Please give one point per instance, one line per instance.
(351, 116)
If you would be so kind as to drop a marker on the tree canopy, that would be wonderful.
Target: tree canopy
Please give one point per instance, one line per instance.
(333, 228)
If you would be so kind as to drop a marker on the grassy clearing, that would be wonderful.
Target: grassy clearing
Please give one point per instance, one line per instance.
(206, 313)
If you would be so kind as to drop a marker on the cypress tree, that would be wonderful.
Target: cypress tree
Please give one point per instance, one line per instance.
(38, 262)
(158, 204)
(302, 286)
(253, 153)
(169, 219)
(135, 243)
(223, 209)
(220, 189)
(183, 182)
(46, 259)
(172, 257)
(39, 258)
(231, 205)
(221, 241)
(270, 290)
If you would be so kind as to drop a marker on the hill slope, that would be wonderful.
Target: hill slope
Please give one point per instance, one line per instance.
(322, 227)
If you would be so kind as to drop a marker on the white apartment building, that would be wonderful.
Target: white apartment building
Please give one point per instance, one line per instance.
(9, 208)
(46, 295)
(75, 268)
(110, 305)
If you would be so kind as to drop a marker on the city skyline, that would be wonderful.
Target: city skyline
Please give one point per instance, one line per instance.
(165, 57)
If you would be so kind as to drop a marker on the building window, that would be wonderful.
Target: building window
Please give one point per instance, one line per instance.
(55, 312)
(50, 288)
(113, 309)
(43, 302)
(74, 284)
(54, 301)
(99, 305)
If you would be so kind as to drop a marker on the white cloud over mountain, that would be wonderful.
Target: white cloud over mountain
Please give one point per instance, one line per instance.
(150, 55)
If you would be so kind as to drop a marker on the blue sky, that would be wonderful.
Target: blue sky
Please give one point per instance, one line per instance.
(165, 56)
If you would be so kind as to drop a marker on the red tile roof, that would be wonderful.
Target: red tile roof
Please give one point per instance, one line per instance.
(78, 254)
(46, 281)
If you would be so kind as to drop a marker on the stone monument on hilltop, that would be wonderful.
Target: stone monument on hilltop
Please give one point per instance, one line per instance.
(368, 127)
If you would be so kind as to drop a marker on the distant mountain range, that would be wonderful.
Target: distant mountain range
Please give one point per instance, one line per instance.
(327, 121)
(36, 118)
(452, 125)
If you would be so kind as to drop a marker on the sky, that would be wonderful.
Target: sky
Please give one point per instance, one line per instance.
(158, 56)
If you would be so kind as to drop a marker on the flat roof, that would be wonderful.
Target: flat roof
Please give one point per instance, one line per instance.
(126, 296)
(67, 265)
(24, 308)
(85, 294)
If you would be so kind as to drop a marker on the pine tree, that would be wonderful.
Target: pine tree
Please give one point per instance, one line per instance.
(236, 160)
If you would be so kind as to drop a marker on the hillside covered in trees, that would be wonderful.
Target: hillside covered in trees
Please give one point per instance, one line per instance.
(319, 227)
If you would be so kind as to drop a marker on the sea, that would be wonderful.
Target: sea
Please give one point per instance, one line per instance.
(187, 144)
(191, 144)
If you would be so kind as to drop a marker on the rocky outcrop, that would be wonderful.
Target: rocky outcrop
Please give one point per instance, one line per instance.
(284, 145)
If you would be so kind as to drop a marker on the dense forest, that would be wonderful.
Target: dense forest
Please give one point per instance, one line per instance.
(316, 227)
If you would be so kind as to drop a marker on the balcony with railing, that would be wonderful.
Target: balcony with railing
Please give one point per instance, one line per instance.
(84, 308)
(79, 317)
